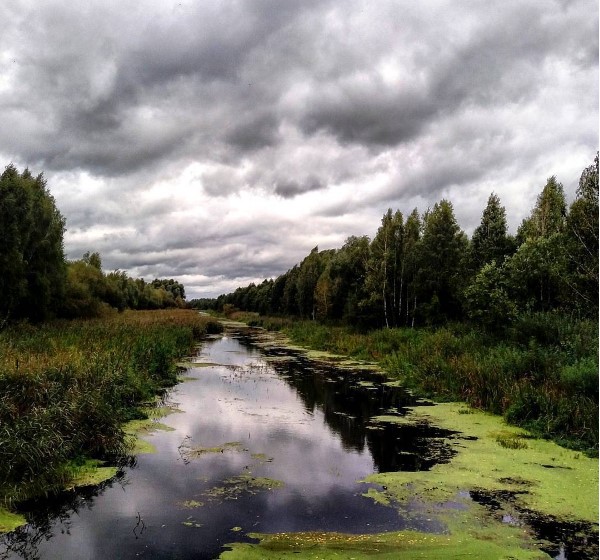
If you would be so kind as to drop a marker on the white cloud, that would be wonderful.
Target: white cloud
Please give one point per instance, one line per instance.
(220, 143)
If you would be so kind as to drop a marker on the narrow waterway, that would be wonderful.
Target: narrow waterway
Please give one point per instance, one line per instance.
(256, 444)
(259, 440)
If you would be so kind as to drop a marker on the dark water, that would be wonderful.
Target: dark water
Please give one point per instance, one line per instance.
(300, 436)
(307, 429)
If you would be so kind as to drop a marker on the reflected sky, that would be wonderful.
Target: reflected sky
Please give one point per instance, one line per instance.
(291, 427)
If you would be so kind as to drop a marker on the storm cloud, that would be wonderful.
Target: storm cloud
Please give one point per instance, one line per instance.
(218, 142)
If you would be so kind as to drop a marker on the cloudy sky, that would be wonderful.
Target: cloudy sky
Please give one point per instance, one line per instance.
(216, 142)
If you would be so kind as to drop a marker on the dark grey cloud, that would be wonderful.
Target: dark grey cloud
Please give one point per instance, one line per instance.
(289, 188)
(224, 140)
(259, 131)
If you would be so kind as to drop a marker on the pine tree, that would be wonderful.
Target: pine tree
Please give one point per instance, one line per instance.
(490, 240)
(441, 256)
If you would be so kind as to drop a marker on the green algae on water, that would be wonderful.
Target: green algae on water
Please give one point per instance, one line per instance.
(191, 504)
(244, 484)
(193, 524)
(10, 521)
(408, 545)
(261, 458)
(199, 451)
(560, 483)
(91, 473)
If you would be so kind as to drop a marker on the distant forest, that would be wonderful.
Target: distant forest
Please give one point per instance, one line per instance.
(423, 270)
(36, 280)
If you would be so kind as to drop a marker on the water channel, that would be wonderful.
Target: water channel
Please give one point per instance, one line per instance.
(258, 442)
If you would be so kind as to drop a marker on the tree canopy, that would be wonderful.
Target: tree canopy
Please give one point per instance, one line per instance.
(37, 282)
(425, 271)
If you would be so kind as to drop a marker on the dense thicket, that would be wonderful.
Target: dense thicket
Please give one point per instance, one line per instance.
(37, 282)
(32, 262)
(425, 271)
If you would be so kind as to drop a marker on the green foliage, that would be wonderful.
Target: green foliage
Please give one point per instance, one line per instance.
(91, 293)
(487, 301)
(441, 261)
(427, 272)
(32, 267)
(67, 387)
(581, 377)
(37, 283)
(490, 241)
(582, 244)
(548, 216)
(536, 273)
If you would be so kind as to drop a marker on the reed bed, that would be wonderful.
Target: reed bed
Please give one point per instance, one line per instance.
(542, 374)
(67, 387)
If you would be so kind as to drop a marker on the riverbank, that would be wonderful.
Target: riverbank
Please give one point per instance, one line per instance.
(68, 388)
(503, 493)
(542, 376)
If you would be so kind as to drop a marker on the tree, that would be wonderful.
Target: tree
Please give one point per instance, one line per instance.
(410, 264)
(582, 243)
(309, 272)
(93, 259)
(85, 291)
(537, 271)
(487, 300)
(490, 240)
(548, 216)
(32, 263)
(383, 267)
(538, 268)
(441, 255)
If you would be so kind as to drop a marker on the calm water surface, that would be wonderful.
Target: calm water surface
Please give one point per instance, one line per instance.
(299, 440)
(262, 441)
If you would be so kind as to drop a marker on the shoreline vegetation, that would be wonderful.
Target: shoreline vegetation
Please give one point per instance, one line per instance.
(507, 323)
(532, 482)
(68, 388)
(532, 384)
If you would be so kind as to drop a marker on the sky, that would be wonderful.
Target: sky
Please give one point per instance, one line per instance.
(217, 142)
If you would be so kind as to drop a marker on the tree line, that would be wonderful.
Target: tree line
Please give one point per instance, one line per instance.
(37, 281)
(424, 270)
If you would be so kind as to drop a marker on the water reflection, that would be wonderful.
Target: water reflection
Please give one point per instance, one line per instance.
(266, 441)
(304, 427)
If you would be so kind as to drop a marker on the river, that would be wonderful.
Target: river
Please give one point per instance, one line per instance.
(257, 442)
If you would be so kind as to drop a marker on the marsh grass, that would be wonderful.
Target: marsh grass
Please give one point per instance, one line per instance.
(67, 387)
(510, 440)
(542, 375)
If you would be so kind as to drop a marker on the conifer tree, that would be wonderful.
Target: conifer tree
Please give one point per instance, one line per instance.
(441, 258)
(490, 240)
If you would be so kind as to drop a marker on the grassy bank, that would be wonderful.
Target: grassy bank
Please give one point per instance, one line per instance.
(541, 375)
(67, 388)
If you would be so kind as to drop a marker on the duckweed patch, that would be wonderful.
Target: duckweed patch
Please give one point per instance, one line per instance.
(9, 521)
(567, 492)
(407, 545)
(191, 504)
(195, 452)
(193, 524)
(377, 496)
(261, 458)
(510, 440)
(244, 484)
(90, 473)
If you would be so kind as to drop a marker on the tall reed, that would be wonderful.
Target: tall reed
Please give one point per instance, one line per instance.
(67, 387)
(543, 375)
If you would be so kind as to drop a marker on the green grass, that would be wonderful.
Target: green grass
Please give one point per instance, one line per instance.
(67, 388)
(543, 375)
